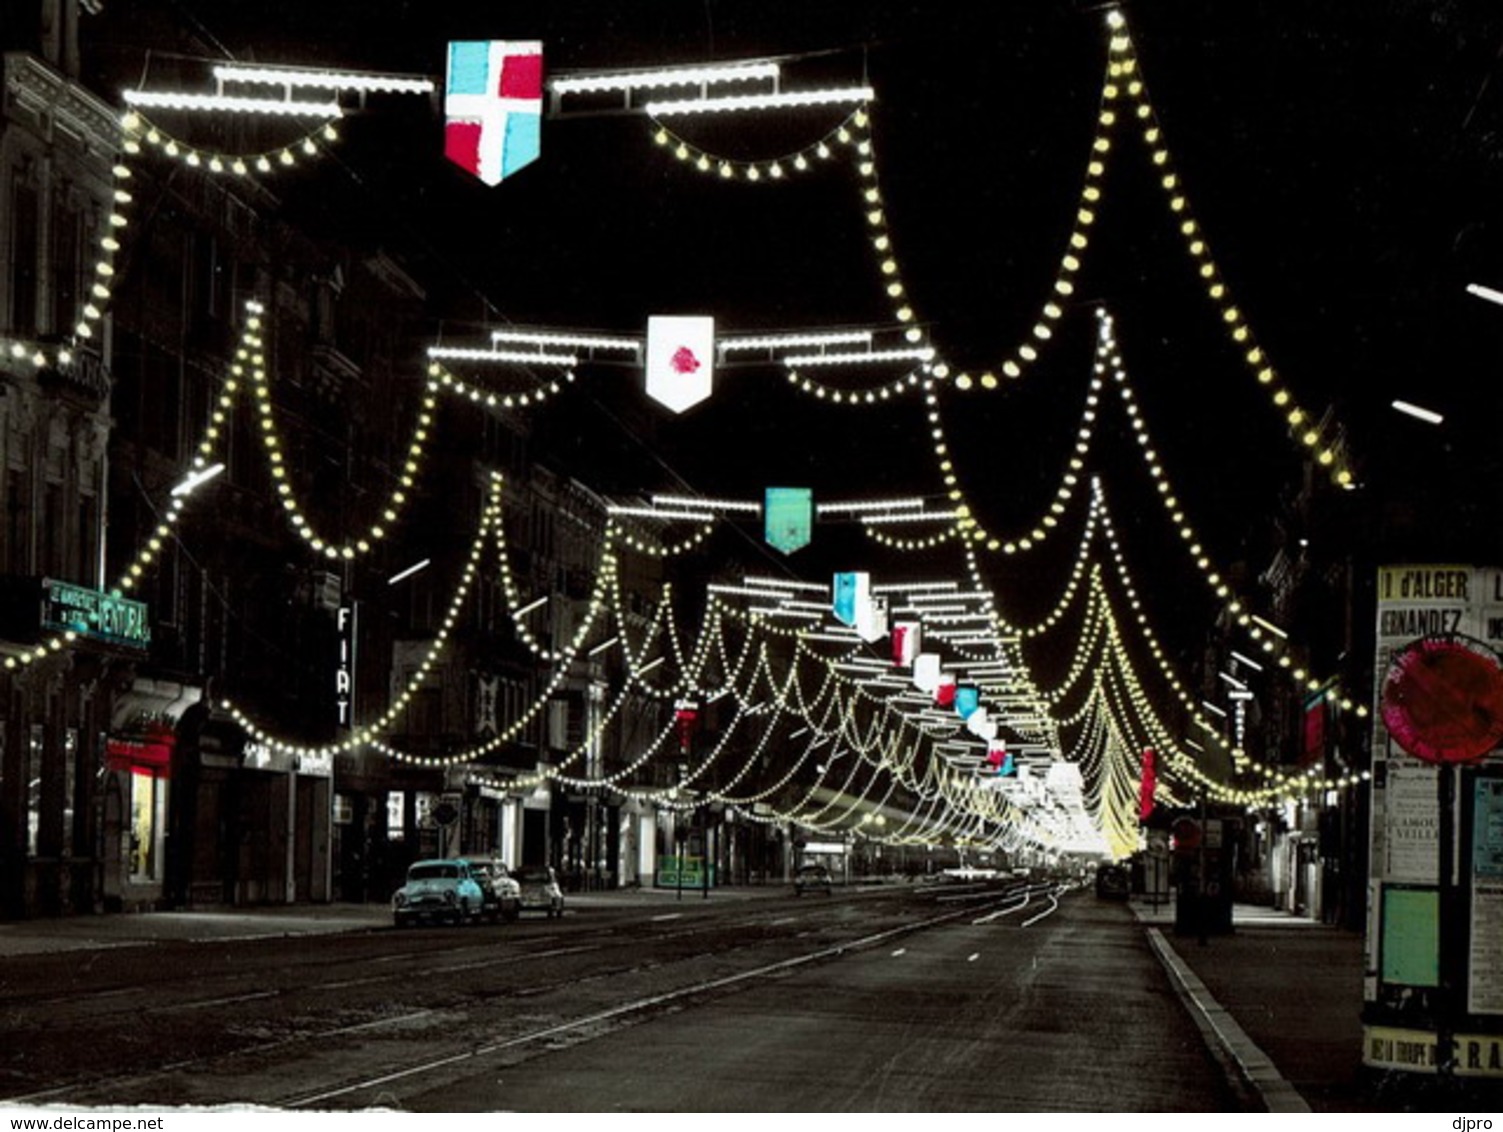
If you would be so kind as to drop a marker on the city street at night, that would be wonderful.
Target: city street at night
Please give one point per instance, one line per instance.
(695, 556)
(876, 1000)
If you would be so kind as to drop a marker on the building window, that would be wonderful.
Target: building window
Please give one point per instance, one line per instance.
(34, 789)
(145, 801)
(88, 570)
(396, 820)
(70, 787)
(24, 227)
(54, 530)
(17, 529)
(66, 268)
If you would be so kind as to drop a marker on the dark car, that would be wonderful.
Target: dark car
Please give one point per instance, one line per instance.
(1113, 882)
(813, 878)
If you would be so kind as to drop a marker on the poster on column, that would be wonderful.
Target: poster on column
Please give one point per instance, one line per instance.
(1411, 824)
(1485, 958)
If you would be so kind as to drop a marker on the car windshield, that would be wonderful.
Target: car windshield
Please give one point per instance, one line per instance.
(533, 875)
(433, 871)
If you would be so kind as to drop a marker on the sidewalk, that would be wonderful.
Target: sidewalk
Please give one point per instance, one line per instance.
(1280, 1002)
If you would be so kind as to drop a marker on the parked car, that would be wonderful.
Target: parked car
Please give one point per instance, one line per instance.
(439, 890)
(1113, 882)
(813, 878)
(540, 890)
(501, 894)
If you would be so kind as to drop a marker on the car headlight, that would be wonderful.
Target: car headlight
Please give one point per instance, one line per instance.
(399, 899)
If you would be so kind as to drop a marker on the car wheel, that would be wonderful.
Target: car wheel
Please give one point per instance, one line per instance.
(510, 915)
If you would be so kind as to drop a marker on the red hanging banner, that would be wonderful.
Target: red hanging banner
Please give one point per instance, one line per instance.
(1145, 791)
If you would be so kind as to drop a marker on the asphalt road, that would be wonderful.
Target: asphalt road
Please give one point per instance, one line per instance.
(946, 998)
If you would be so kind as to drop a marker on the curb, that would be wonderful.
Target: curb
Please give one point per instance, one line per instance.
(1254, 1066)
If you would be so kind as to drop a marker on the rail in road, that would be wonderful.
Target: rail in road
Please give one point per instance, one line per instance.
(336, 1021)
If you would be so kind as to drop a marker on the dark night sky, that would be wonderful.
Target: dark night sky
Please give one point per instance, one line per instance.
(1343, 158)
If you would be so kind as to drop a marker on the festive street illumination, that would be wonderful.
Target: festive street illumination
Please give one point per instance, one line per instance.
(201, 476)
(1491, 294)
(403, 575)
(502, 357)
(794, 341)
(223, 103)
(581, 341)
(1429, 416)
(859, 358)
(692, 501)
(328, 80)
(741, 103)
(664, 77)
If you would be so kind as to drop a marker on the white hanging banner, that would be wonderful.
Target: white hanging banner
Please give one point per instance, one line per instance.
(680, 359)
(926, 671)
(871, 619)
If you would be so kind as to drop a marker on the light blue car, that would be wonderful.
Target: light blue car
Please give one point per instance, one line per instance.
(443, 891)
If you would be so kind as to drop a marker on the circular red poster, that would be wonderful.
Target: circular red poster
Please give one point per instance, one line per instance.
(1443, 699)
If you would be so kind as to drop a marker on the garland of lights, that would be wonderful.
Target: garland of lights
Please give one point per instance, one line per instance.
(1327, 451)
(449, 383)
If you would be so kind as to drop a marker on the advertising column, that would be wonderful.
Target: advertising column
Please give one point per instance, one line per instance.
(1433, 979)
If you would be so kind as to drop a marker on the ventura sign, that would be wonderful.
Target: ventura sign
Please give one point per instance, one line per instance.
(89, 613)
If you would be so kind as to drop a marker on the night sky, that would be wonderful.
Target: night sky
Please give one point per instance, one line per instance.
(1342, 158)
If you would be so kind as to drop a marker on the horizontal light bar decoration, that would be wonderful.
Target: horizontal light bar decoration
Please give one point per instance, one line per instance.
(323, 80)
(785, 584)
(854, 506)
(861, 358)
(1491, 294)
(742, 103)
(660, 513)
(783, 611)
(794, 341)
(139, 131)
(1325, 450)
(502, 357)
(1429, 416)
(664, 77)
(448, 383)
(231, 104)
(955, 595)
(913, 517)
(707, 504)
(583, 341)
(195, 479)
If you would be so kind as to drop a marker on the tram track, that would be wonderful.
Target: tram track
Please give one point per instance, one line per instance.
(566, 998)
